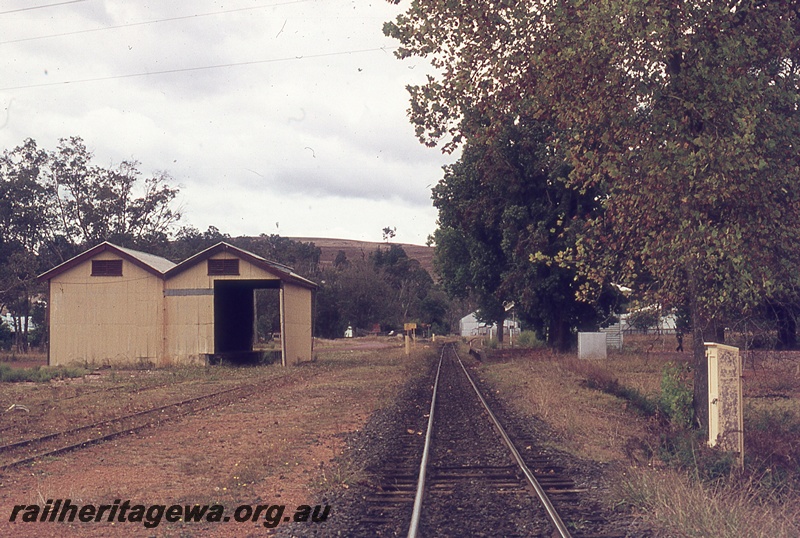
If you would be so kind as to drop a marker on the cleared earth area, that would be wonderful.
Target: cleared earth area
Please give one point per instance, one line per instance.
(270, 446)
(274, 447)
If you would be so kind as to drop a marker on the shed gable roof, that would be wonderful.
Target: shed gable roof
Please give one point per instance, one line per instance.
(151, 263)
(284, 272)
(163, 268)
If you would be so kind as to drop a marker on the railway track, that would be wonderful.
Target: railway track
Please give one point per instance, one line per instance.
(468, 477)
(34, 448)
(41, 403)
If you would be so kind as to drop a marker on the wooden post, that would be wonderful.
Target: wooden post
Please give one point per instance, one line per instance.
(411, 333)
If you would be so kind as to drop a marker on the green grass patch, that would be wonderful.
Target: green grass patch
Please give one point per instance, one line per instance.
(39, 374)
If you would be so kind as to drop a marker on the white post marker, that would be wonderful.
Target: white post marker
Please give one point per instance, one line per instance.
(725, 416)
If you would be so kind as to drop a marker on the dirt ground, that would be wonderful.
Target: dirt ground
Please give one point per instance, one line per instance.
(273, 448)
(290, 442)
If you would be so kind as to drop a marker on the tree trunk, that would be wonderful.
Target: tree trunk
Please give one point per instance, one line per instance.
(558, 335)
(719, 333)
(25, 331)
(700, 327)
(17, 335)
(700, 399)
(787, 328)
(500, 326)
(700, 393)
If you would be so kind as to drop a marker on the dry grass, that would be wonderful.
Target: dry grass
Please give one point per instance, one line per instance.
(588, 423)
(639, 365)
(595, 425)
(32, 357)
(677, 506)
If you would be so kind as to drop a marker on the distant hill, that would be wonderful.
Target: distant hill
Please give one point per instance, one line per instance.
(354, 249)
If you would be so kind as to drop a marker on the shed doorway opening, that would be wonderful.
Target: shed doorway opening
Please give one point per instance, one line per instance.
(243, 311)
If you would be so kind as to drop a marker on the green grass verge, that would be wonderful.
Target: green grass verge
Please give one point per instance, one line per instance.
(39, 374)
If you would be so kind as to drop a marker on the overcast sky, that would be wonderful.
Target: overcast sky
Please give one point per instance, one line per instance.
(285, 117)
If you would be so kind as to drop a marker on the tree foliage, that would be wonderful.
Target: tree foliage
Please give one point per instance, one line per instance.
(469, 256)
(505, 212)
(92, 204)
(683, 114)
(384, 288)
(53, 204)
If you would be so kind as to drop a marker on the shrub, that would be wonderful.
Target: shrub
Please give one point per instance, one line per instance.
(39, 374)
(676, 396)
(687, 449)
(529, 340)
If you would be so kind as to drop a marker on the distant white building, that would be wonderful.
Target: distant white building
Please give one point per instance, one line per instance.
(7, 319)
(667, 322)
(470, 326)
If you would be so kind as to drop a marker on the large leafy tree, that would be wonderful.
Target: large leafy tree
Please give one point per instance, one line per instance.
(505, 212)
(408, 280)
(54, 204)
(684, 114)
(92, 204)
(469, 257)
(355, 295)
(384, 287)
(23, 220)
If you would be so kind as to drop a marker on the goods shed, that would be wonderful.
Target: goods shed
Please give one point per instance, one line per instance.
(114, 305)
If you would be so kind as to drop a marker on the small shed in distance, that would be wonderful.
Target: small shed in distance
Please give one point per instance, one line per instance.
(114, 305)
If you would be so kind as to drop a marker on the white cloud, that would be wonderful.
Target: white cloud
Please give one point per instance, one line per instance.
(307, 130)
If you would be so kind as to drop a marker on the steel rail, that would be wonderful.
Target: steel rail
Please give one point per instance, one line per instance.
(551, 511)
(79, 395)
(417, 511)
(246, 390)
(95, 440)
(110, 421)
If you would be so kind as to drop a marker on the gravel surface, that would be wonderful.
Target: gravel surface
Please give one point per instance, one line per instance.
(465, 439)
(468, 507)
(388, 432)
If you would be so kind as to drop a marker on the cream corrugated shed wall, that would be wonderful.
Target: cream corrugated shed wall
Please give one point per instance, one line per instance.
(157, 317)
(189, 317)
(296, 314)
(105, 319)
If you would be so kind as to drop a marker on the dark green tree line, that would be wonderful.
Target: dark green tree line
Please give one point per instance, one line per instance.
(505, 213)
(384, 288)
